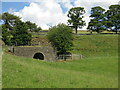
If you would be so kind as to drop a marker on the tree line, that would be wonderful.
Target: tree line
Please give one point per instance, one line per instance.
(100, 19)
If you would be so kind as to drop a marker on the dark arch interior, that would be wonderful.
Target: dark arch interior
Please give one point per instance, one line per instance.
(39, 56)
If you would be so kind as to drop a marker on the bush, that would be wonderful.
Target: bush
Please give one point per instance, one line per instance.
(61, 38)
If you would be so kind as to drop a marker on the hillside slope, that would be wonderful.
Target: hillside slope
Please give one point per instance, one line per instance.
(97, 70)
(96, 45)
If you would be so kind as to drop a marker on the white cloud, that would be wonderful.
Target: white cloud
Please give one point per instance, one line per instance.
(43, 13)
(48, 12)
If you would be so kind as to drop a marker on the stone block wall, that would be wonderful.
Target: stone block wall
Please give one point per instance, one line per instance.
(30, 51)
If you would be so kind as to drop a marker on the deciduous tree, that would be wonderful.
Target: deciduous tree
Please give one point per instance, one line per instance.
(98, 19)
(20, 34)
(9, 20)
(14, 31)
(113, 18)
(32, 27)
(61, 38)
(76, 17)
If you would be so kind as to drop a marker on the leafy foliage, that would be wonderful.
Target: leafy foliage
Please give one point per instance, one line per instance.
(9, 20)
(97, 21)
(113, 18)
(6, 35)
(14, 31)
(32, 27)
(61, 37)
(76, 14)
(20, 34)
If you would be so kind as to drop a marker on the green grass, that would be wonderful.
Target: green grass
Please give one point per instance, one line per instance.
(0, 67)
(88, 32)
(79, 32)
(96, 45)
(99, 69)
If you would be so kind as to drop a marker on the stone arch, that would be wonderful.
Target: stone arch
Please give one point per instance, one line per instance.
(39, 56)
(25, 51)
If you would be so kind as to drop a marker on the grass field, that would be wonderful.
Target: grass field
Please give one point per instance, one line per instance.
(88, 32)
(99, 68)
(0, 67)
(96, 45)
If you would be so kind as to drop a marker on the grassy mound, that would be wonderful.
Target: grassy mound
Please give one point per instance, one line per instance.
(98, 70)
(96, 45)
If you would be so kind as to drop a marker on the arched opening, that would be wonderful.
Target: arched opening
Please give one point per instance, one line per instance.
(39, 56)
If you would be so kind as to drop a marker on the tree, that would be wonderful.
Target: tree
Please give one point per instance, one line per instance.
(98, 19)
(6, 35)
(113, 18)
(14, 31)
(20, 34)
(38, 29)
(76, 15)
(33, 27)
(9, 20)
(61, 38)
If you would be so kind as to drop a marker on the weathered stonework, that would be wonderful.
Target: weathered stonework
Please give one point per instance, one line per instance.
(30, 51)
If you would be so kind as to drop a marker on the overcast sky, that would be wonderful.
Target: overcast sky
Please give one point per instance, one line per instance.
(46, 13)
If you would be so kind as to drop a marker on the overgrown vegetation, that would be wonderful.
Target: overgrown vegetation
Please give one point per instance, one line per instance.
(61, 38)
